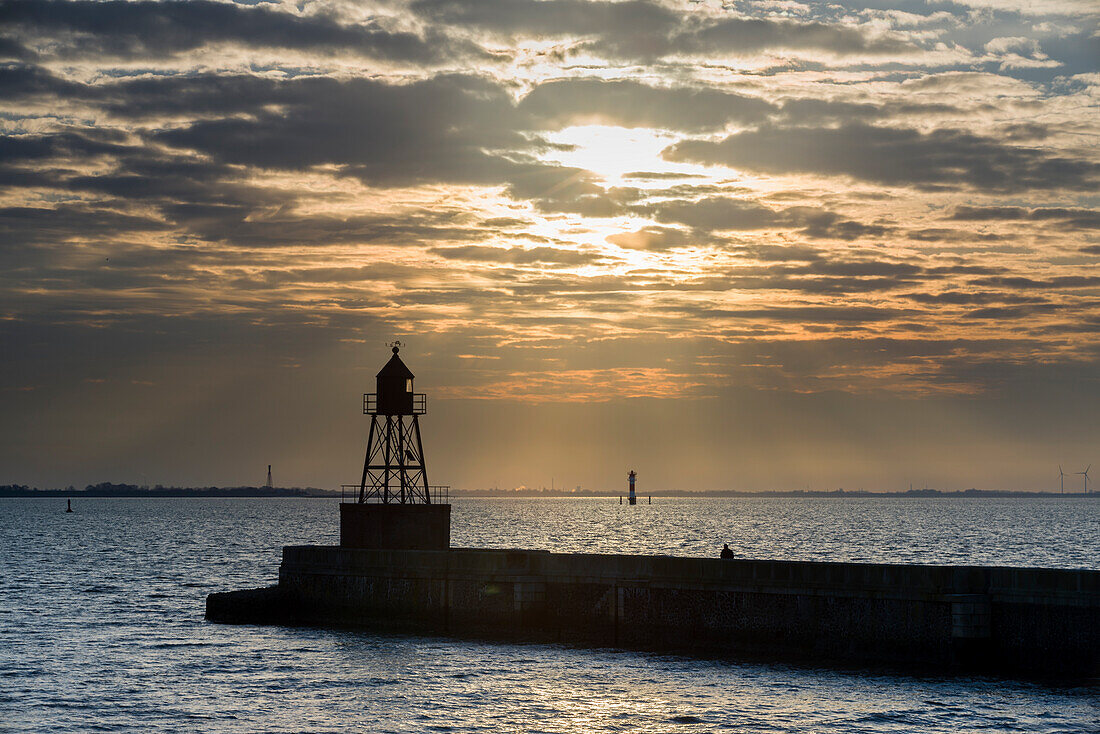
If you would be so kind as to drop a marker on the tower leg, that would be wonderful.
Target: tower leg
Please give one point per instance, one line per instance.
(389, 464)
(420, 458)
(366, 462)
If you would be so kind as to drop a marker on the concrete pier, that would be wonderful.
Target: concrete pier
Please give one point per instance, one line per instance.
(1016, 621)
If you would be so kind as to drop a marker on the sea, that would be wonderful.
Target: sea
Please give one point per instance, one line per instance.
(102, 629)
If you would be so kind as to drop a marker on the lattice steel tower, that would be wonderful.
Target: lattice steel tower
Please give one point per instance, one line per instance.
(394, 470)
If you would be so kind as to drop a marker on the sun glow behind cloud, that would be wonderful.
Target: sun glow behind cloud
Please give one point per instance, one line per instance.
(611, 152)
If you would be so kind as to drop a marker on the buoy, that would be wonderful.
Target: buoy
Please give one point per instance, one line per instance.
(70, 507)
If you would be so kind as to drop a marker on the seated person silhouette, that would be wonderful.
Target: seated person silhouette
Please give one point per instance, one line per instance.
(726, 552)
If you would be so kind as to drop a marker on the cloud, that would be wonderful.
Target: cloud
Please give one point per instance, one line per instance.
(656, 239)
(748, 35)
(801, 314)
(714, 213)
(631, 104)
(1013, 313)
(1018, 52)
(632, 27)
(1023, 283)
(941, 159)
(966, 298)
(157, 29)
(644, 30)
(1071, 218)
(818, 112)
(24, 225)
(518, 255)
(720, 213)
(375, 131)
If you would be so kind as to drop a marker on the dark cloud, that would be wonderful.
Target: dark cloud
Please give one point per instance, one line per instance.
(379, 133)
(24, 80)
(781, 253)
(68, 145)
(859, 268)
(1022, 283)
(748, 35)
(726, 213)
(242, 227)
(630, 104)
(632, 28)
(829, 276)
(824, 224)
(941, 234)
(518, 255)
(799, 314)
(1071, 218)
(564, 189)
(661, 175)
(24, 225)
(967, 298)
(200, 197)
(155, 29)
(1025, 131)
(941, 159)
(653, 238)
(1013, 313)
(807, 111)
(12, 49)
(714, 213)
(964, 270)
(645, 30)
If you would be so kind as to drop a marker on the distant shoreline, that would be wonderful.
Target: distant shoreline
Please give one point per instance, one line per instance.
(129, 490)
(140, 492)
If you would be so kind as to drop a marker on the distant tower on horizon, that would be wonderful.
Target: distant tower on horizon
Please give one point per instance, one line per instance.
(268, 485)
(394, 470)
(632, 497)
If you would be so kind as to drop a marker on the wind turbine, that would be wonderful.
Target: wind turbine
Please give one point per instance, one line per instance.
(1062, 478)
(1085, 474)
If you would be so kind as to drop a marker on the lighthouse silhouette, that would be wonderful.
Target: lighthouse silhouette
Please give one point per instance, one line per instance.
(395, 507)
(394, 470)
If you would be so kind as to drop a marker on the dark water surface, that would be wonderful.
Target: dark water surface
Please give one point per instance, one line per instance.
(101, 624)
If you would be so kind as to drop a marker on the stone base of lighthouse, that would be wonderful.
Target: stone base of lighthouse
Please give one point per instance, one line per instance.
(395, 526)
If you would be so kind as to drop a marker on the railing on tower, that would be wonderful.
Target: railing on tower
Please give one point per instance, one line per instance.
(370, 403)
(440, 493)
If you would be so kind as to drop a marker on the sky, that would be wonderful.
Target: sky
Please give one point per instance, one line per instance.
(742, 245)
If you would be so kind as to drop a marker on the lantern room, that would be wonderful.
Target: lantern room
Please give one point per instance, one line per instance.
(395, 390)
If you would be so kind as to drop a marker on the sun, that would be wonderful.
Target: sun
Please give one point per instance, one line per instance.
(612, 152)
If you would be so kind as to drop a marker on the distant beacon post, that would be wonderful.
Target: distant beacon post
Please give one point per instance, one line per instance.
(395, 507)
(633, 497)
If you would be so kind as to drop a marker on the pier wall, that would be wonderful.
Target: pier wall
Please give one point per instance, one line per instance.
(1013, 620)
(1003, 620)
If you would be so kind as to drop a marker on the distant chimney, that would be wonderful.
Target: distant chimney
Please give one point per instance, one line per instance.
(268, 485)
